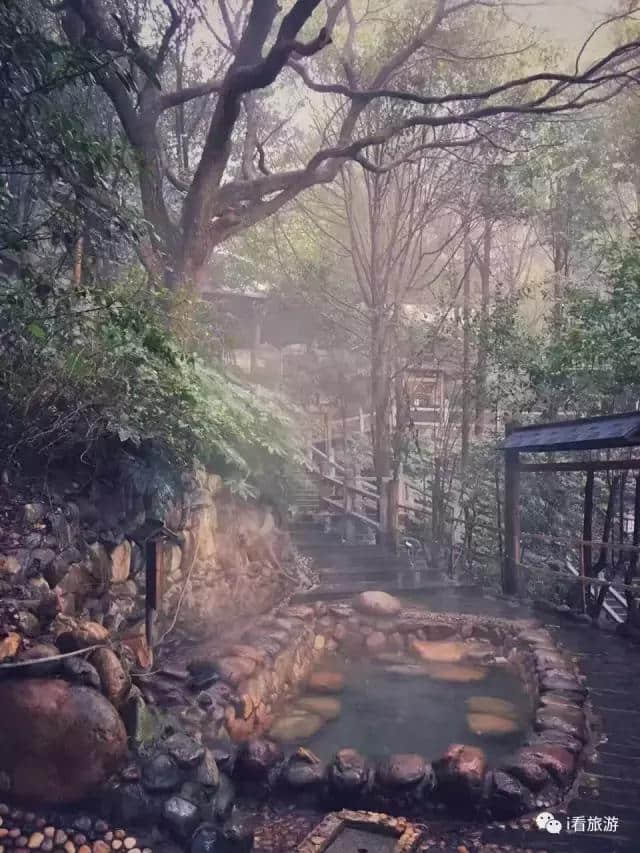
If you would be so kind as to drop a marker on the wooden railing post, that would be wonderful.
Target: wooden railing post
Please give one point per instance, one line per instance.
(587, 525)
(348, 505)
(151, 590)
(510, 570)
(383, 510)
(330, 450)
(389, 527)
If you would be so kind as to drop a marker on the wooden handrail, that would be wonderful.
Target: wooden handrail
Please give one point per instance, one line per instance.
(581, 543)
(583, 579)
(594, 465)
(363, 518)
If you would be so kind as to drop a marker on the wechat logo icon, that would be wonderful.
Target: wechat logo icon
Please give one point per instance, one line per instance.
(545, 820)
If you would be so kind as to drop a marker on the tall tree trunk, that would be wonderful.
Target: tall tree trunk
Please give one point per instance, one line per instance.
(380, 400)
(78, 256)
(466, 359)
(481, 382)
(560, 219)
(632, 565)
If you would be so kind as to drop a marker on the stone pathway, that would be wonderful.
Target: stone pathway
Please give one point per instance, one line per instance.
(23, 831)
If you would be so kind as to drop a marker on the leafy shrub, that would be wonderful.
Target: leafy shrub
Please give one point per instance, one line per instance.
(84, 372)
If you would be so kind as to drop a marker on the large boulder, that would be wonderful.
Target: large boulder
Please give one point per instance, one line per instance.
(80, 672)
(59, 742)
(161, 773)
(508, 798)
(44, 660)
(460, 774)
(9, 646)
(181, 816)
(72, 634)
(526, 766)
(186, 751)
(257, 757)
(402, 770)
(348, 772)
(303, 770)
(115, 681)
(559, 762)
(571, 721)
(376, 603)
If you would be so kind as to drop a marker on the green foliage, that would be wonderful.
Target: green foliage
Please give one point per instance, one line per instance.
(61, 159)
(84, 372)
(593, 357)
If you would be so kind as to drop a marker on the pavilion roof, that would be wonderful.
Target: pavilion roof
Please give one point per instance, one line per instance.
(598, 433)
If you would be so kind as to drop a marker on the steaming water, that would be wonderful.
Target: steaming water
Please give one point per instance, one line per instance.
(385, 712)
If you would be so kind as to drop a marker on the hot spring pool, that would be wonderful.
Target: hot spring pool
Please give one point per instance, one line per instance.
(385, 710)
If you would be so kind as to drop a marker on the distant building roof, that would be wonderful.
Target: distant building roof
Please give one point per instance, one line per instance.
(606, 431)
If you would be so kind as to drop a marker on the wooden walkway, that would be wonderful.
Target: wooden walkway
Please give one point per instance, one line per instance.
(611, 784)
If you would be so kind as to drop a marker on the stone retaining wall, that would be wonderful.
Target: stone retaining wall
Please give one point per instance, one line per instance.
(80, 549)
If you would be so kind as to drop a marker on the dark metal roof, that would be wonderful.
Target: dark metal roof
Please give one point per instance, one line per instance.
(621, 430)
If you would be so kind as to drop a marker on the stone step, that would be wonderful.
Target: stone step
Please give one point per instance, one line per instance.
(347, 589)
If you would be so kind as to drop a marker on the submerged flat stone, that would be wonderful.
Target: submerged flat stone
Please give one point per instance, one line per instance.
(455, 672)
(491, 724)
(409, 669)
(326, 707)
(444, 651)
(296, 726)
(325, 681)
(491, 705)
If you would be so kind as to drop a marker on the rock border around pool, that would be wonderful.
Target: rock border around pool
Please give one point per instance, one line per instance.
(284, 649)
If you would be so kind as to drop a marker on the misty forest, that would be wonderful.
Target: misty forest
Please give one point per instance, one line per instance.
(319, 394)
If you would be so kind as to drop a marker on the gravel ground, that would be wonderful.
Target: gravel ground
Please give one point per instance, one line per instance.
(277, 830)
(22, 831)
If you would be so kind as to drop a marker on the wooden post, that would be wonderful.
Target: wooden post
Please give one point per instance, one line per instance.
(331, 453)
(358, 501)
(325, 441)
(587, 525)
(151, 590)
(633, 560)
(393, 511)
(309, 451)
(604, 550)
(583, 586)
(510, 569)
(383, 511)
(348, 505)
